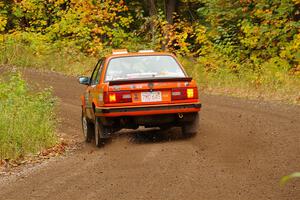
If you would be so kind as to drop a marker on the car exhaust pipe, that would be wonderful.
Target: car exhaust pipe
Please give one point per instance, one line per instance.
(180, 115)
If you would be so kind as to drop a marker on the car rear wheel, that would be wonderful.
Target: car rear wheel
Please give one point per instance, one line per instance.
(165, 128)
(190, 129)
(87, 128)
(99, 130)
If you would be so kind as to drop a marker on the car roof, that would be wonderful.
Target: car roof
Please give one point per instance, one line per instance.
(144, 53)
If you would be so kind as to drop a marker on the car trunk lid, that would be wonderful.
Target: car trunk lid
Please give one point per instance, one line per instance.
(150, 91)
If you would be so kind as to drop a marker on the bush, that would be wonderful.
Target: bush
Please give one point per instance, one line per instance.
(34, 50)
(217, 75)
(27, 118)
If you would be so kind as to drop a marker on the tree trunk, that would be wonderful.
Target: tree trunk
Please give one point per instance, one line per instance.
(170, 9)
(152, 7)
(152, 12)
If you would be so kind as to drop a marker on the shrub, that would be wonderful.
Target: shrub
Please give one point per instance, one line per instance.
(27, 118)
(23, 49)
(218, 75)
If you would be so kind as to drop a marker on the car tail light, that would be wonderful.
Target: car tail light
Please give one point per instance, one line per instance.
(184, 93)
(117, 97)
(190, 93)
(112, 98)
(179, 94)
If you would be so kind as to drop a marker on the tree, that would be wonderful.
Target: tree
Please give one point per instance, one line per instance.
(170, 9)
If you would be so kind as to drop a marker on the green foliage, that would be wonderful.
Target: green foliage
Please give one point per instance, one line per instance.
(27, 119)
(87, 25)
(34, 50)
(255, 33)
(247, 32)
(249, 43)
(3, 17)
(226, 78)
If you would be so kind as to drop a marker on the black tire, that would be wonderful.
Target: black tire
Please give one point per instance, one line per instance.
(165, 128)
(99, 129)
(190, 129)
(87, 128)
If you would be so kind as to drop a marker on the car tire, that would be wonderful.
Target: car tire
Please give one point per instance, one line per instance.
(99, 130)
(165, 128)
(87, 128)
(190, 129)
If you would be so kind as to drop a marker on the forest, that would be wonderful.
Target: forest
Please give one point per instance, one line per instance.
(229, 46)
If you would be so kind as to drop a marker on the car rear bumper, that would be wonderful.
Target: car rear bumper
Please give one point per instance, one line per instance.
(147, 110)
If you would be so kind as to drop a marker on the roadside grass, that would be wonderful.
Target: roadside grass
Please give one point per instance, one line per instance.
(35, 51)
(27, 118)
(267, 85)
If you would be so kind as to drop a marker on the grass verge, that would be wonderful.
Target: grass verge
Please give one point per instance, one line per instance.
(27, 118)
(36, 51)
(266, 85)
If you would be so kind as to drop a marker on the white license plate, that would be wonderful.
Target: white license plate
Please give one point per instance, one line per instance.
(151, 96)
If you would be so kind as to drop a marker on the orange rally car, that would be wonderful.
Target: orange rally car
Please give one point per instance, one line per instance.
(146, 88)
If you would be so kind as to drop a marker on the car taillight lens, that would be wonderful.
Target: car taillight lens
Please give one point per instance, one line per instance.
(117, 97)
(190, 93)
(112, 98)
(184, 93)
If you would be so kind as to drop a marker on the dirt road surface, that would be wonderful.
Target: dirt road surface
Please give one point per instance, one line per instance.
(241, 151)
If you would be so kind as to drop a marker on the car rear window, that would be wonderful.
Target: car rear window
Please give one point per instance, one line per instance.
(139, 67)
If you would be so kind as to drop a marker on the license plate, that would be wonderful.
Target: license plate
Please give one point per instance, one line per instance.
(151, 96)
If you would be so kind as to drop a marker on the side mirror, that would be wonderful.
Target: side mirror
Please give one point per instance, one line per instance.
(84, 80)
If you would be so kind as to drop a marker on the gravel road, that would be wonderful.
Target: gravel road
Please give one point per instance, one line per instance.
(242, 150)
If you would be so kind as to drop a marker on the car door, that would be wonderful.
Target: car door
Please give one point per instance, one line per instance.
(96, 88)
(90, 92)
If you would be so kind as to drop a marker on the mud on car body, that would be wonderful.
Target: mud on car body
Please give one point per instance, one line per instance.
(146, 88)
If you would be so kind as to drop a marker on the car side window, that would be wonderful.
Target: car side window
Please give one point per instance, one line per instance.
(99, 72)
(94, 77)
